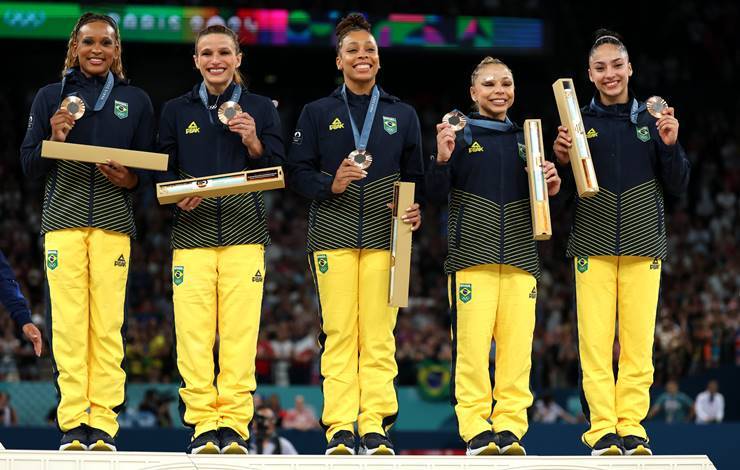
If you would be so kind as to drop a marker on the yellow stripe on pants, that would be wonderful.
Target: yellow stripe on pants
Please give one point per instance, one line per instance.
(218, 290)
(87, 271)
(606, 285)
(358, 361)
(492, 301)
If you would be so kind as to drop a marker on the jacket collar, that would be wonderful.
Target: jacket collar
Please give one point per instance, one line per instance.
(383, 95)
(75, 75)
(629, 110)
(195, 96)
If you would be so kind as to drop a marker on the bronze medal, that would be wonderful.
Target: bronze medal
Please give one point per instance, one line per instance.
(361, 158)
(455, 119)
(656, 105)
(74, 105)
(228, 111)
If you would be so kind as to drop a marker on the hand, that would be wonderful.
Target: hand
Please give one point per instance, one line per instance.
(33, 335)
(445, 142)
(244, 125)
(118, 174)
(346, 173)
(551, 178)
(189, 203)
(412, 215)
(61, 123)
(562, 143)
(668, 127)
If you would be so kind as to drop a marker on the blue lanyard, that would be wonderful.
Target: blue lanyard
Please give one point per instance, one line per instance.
(505, 126)
(204, 97)
(104, 93)
(634, 109)
(361, 139)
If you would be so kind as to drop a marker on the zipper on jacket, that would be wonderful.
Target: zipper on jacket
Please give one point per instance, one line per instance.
(218, 171)
(458, 225)
(618, 173)
(91, 201)
(359, 222)
(502, 206)
(659, 212)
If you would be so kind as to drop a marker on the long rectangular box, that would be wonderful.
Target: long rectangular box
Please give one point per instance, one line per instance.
(401, 236)
(580, 154)
(539, 201)
(221, 185)
(97, 154)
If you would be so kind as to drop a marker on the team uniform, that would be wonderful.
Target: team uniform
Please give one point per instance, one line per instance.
(87, 224)
(618, 243)
(492, 267)
(348, 248)
(218, 260)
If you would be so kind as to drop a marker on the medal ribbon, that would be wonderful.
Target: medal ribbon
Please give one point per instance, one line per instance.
(104, 93)
(505, 126)
(203, 93)
(362, 139)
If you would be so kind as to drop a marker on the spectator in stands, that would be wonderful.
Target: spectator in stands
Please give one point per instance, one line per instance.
(8, 416)
(675, 405)
(547, 410)
(301, 417)
(265, 439)
(710, 405)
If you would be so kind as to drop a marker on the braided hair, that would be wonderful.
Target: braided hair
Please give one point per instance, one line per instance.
(73, 61)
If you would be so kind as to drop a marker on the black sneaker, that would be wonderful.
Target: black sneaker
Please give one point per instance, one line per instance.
(232, 442)
(205, 443)
(483, 444)
(509, 444)
(100, 440)
(634, 445)
(341, 443)
(374, 443)
(609, 444)
(75, 439)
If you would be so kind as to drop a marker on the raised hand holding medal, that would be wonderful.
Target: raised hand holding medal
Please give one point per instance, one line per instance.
(667, 123)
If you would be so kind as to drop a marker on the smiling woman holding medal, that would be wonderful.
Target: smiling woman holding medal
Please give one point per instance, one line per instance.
(492, 260)
(618, 242)
(347, 151)
(87, 223)
(218, 260)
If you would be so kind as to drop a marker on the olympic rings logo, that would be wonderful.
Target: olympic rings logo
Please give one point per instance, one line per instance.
(24, 19)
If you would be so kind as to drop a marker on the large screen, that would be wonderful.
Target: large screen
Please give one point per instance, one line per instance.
(275, 27)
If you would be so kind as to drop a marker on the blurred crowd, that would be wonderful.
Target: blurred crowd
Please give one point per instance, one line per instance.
(698, 323)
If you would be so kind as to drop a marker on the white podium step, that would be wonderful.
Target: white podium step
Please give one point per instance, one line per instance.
(52, 460)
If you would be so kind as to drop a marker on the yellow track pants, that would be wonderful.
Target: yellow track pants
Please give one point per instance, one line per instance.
(358, 363)
(86, 275)
(611, 288)
(218, 290)
(494, 301)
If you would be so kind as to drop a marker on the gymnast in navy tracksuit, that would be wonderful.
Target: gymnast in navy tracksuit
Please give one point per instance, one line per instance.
(218, 260)
(349, 236)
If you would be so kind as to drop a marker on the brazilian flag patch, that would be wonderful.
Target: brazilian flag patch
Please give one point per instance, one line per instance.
(466, 293)
(643, 133)
(582, 264)
(522, 152)
(52, 259)
(323, 263)
(178, 275)
(390, 125)
(120, 109)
